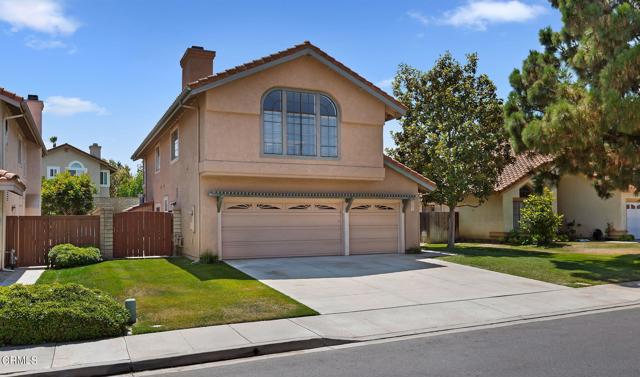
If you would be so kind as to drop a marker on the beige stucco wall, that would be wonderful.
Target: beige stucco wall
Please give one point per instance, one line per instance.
(62, 157)
(494, 218)
(579, 202)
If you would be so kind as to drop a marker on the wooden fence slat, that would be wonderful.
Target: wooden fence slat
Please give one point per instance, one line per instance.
(142, 234)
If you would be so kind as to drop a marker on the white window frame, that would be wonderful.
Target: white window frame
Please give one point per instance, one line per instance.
(157, 159)
(174, 148)
(79, 171)
(50, 168)
(108, 175)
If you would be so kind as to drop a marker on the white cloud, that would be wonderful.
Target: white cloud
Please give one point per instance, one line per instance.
(418, 17)
(67, 106)
(478, 14)
(48, 44)
(385, 85)
(46, 16)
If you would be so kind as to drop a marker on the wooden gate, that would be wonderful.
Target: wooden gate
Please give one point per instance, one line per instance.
(434, 226)
(33, 236)
(142, 234)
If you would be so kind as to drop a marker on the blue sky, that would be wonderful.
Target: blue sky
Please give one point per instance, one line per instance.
(107, 70)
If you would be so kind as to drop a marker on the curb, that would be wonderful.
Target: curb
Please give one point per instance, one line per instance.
(177, 360)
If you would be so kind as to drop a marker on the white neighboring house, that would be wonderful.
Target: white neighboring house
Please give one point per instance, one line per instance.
(66, 157)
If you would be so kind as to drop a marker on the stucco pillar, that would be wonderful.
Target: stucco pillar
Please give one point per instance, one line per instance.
(106, 232)
(401, 228)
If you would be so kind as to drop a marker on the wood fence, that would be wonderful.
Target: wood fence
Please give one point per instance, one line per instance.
(142, 234)
(33, 236)
(435, 225)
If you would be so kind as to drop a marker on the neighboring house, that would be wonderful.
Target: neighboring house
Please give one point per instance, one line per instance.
(281, 156)
(575, 196)
(21, 151)
(66, 157)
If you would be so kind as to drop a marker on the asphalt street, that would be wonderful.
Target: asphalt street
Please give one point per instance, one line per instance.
(603, 344)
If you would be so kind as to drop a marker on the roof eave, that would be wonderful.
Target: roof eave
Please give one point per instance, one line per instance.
(421, 183)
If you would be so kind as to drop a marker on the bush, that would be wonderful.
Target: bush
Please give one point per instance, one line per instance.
(627, 237)
(538, 223)
(597, 235)
(67, 255)
(514, 238)
(208, 258)
(33, 314)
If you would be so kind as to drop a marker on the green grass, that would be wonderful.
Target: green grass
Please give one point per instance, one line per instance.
(175, 293)
(550, 265)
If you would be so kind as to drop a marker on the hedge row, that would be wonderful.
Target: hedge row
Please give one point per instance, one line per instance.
(31, 314)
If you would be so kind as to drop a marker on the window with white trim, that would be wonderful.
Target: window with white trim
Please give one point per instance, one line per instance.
(295, 119)
(175, 145)
(76, 168)
(52, 171)
(157, 159)
(105, 178)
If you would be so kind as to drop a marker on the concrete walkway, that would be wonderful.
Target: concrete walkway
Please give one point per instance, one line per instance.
(206, 344)
(25, 276)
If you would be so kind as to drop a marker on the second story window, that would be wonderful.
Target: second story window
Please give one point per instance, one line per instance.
(157, 162)
(76, 168)
(175, 145)
(295, 119)
(104, 178)
(52, 171)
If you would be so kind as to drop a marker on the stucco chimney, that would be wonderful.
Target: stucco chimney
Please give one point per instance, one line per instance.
(95, 150)
(196, 63)
(35, 107)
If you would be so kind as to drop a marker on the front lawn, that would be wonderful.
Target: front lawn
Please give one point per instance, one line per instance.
(555, 265)
(173, 293)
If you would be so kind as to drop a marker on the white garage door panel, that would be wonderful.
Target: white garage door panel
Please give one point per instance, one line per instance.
(258, 233)
(633, 219)
(374, 227)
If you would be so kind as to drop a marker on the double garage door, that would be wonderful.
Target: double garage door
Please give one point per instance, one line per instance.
(260, 228)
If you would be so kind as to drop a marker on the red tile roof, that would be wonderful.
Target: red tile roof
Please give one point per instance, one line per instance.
(410, 171)
(524, 165)
(11, 95)
(282, 54)
(8, 177)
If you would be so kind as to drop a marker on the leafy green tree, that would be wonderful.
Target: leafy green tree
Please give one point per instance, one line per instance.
(123, 183)
(579, 99)
(452, 132)
(66, 194)
(538, 223)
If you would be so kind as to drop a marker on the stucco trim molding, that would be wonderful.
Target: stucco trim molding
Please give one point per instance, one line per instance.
(310, 195)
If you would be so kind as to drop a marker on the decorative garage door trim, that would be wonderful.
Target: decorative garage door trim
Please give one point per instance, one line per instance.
(320, 195)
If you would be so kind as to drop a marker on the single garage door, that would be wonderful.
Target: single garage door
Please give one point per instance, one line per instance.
(259, 228)
(374, 227)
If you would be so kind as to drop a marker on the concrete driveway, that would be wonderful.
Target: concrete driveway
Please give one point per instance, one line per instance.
(355, 283)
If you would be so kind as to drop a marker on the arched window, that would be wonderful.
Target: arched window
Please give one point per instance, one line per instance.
(76, 168)
(295, 118)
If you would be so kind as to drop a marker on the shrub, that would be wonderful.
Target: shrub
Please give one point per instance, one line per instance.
(597, 235)
(538, 223)
(33, 314)
(67, 255)
(627, 237)
(208, 258)
(514, 238)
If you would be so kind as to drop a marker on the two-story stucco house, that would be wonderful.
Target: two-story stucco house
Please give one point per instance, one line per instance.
(282, 156)
(21, 151)
(66, 157)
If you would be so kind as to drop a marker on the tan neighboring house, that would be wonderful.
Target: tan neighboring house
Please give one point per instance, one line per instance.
(21, 151)
(66, 157)
(282, 156)
(575, 198)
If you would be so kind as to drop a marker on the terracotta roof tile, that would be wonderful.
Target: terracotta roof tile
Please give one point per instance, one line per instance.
(6, 177)
(524, 165)
(282, 54)
(13, 96)
(409, 170)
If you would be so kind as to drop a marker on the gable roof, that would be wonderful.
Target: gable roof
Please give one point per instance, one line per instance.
(19, 105)
(89, 155)
(523, 166)
(258, 65)
(413, 175)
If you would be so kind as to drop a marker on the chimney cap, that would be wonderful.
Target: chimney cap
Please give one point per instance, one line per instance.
(197, 51)
(32, 97)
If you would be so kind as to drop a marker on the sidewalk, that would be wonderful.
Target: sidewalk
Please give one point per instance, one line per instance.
(22, 275)
(214, 343)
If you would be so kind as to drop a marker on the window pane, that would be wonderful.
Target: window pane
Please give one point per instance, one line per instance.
(273, 101)
(301, 124)
(327, 107)
(328, 136)
(272, 132)
(174, 145)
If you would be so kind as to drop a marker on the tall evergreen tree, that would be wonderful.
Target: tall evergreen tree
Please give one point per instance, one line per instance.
(579, 99)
